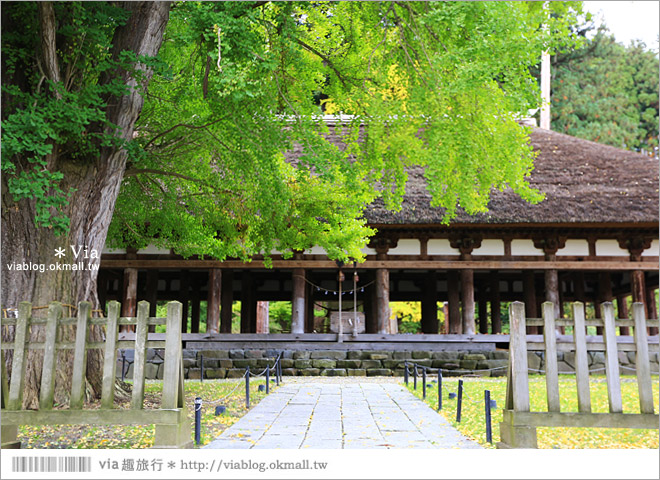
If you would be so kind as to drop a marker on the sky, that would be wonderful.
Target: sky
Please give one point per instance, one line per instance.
(629, 20)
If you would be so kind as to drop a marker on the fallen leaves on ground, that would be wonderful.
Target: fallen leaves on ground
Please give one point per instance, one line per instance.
(473, 423)
(142, 436)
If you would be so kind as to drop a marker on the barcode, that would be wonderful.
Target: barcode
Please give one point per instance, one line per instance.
(51, 464)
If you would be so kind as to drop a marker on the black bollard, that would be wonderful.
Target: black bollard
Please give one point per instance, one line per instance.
(489, 432)
(201, 366)
(424, 382)
(267, 378)
(414, 376)
(247, 387)
(460, 401)
(439, 389)
(405, 372)
(198, 420)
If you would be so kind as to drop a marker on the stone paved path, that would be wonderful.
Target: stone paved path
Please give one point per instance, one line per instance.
(339, 415)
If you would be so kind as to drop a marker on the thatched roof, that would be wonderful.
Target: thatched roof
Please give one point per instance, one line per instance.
(584, 182)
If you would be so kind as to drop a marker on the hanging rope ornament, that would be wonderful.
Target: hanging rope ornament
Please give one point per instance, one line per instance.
(218, 31)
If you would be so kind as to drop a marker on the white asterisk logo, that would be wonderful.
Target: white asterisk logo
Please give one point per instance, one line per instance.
(59, 253)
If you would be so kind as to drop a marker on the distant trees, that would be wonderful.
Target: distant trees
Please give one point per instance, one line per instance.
(607, 92)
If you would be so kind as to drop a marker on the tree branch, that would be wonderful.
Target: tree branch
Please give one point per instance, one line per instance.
(181, 125)
(49, 61)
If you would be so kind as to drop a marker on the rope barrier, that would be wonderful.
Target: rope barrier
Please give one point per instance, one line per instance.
(344, 292)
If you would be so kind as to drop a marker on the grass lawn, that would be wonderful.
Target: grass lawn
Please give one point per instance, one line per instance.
(142, 436)
(473, 416)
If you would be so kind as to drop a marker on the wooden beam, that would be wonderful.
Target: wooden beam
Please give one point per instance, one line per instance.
(650, 265)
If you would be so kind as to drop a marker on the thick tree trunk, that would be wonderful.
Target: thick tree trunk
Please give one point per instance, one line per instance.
(94, 183)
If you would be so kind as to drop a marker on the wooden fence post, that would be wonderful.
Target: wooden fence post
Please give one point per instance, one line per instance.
(110, 358)
(140, 357)
(18, 363)
(581, 359)
(551, 370)
(176, 435)
(514, 436)
(611, 359)
(47, 391)
(642, 360)
(80, 357)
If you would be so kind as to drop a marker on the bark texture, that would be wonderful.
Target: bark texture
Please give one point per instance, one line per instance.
(94, 183)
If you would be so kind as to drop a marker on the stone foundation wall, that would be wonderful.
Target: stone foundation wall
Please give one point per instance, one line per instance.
(232, 363)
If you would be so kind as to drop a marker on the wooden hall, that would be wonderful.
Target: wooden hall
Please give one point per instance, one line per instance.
(594, 238)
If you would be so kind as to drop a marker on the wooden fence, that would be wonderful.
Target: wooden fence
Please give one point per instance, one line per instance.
(172, 424)
(518, 428)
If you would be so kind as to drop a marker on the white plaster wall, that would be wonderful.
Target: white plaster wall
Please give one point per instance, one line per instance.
(575, 247)
(441, 246)
(491, 246)
(316, 251)
(523, 246)
(406, 246)
(610, 248)
(369, 251)
(654, 251)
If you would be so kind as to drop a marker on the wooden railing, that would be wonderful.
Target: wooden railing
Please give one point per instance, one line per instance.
(518, 428)
(172, 424)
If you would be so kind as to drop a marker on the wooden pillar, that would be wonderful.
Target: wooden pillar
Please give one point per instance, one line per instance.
(213, 300)
(263, 325)
(467, 301)
(309, 309)
(248, 304)
(383, 301)
(298, 301)
(466, 244)
(578, 287)
(496, 319)
(226, 292)
(622, 312)
(529, 292)
(184, 296)
(445, 310)
(430, 304)
(129, 297)
(552, 289)
(455, 326)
